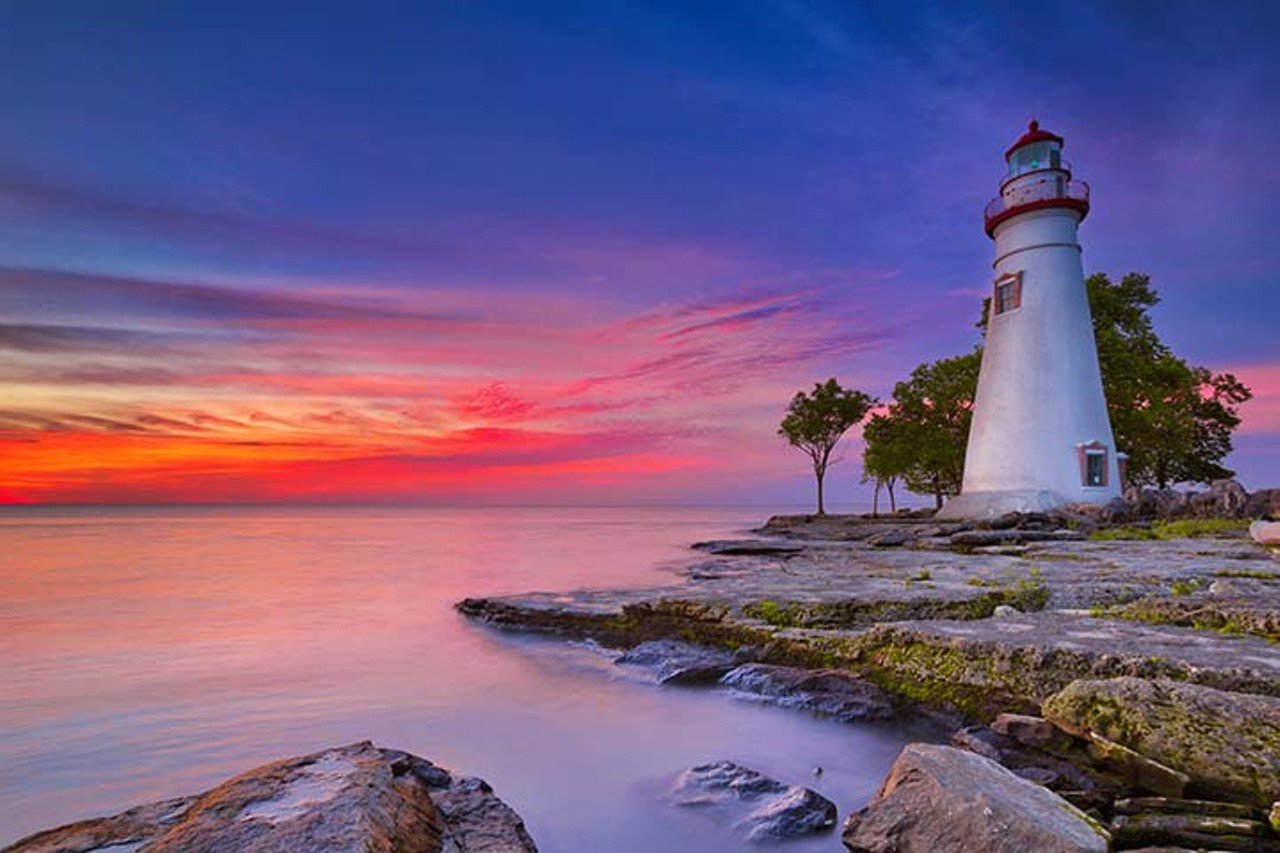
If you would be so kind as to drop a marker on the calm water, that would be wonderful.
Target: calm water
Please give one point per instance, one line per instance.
(150, 653)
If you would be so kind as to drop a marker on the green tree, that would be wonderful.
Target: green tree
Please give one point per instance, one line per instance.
(1174, 419)
(816, 422)
(921, 438)
(885, 458)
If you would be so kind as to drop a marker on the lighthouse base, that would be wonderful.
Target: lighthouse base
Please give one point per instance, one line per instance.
(995, 504)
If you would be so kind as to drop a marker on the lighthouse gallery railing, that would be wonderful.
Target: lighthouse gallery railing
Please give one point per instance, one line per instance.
(1047, 189)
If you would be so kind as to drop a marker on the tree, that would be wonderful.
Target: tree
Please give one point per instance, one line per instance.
(816, 422)
(921, 438)
(1173, 419)
(885, 458)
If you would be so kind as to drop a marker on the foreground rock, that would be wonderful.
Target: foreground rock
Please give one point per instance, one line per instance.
(776, 810)
(353, 798)
(1227, 744)
(937, 798)
(827, 693)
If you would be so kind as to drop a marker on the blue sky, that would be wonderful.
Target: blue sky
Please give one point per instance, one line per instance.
(535, 175)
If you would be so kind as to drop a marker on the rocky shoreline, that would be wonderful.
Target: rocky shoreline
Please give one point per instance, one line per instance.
(1104, 678)
(1113, 667)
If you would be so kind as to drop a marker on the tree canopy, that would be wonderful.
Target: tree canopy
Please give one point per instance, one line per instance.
(921, 438)
(1173, 419)
(815, 423)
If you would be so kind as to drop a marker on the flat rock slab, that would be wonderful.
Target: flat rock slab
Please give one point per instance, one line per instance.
(1072, 574)
(348, 799)
(939, 798)
(774, 810)
(1228, 744)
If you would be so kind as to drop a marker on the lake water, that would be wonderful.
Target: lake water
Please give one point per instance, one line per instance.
(149, 653)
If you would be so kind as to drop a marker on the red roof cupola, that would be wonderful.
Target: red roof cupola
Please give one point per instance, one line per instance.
(1033, 134)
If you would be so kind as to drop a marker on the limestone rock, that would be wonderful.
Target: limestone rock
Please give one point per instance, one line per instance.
(1027, 730)
(1266, 533)
(774, 809)
(937, 798)
(1228, 744)
(354, 798)
(1136, 769)
(828, 693)
(1194, 831)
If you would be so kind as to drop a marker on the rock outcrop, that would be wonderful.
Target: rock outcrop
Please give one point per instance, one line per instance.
(353, 798)
(937, 798)
(1227, 744)
(827, 693)
(773, 809)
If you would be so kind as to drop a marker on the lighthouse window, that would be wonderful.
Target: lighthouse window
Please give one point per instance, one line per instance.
(1008, 295)
(1093, 464)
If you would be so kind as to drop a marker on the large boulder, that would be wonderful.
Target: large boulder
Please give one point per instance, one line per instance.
(768, 809)
(828, 693)
(349, 799)
(1223, 499)
(937, 799)
(1228, 744)
(1264, 503)
(1266, 533)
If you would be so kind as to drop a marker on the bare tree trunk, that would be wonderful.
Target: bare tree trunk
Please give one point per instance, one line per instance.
(893, 503)
(875, 500)
(820, 474)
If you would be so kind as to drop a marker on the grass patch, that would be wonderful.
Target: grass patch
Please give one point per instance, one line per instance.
(1247, 573)
(1185, 587)
(1182, 528)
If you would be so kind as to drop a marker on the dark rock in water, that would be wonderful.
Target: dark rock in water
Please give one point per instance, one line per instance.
(681, 663)
(345, 800)
(1227, 743)
(829, 693)
(776, 810)
(937, 798)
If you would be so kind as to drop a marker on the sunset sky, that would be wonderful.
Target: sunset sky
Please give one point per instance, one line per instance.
(543, 252)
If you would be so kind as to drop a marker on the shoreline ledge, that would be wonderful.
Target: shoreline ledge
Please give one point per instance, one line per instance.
(353, 798)
(1050, 655)
(942, 623)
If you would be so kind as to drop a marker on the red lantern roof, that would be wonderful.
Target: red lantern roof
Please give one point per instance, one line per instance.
(1033, 134)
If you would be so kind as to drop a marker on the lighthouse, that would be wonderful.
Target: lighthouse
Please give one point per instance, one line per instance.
(1040, 436)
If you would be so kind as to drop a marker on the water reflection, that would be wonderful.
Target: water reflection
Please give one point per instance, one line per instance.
(149, 653)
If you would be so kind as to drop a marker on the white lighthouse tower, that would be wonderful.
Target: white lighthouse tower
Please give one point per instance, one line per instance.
(1040, 436)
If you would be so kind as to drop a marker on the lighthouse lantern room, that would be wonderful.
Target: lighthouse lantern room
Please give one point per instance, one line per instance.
(1040, 436)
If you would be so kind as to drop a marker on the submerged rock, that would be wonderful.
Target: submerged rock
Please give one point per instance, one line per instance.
(680, 663)
(937, 798)
(353, 798)
(1228, 744)
(829, 693)
(776, 810)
